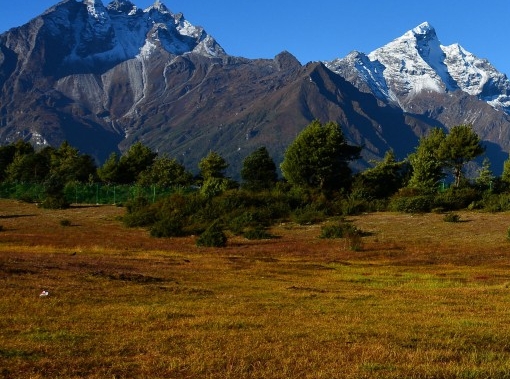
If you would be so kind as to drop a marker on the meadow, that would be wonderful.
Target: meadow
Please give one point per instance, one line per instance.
(420, 298)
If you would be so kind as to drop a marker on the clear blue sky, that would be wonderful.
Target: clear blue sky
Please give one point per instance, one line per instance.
(327, 29)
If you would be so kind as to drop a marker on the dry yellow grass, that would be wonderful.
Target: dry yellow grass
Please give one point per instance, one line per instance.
(423, 299)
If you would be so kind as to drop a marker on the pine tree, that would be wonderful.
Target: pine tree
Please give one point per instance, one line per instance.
(319, 158)
(259, 170)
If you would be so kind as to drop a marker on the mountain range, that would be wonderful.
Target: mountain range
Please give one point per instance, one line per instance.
(103, 77)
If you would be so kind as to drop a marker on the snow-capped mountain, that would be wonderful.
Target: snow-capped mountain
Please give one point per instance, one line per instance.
(84, 35)
(417, 62)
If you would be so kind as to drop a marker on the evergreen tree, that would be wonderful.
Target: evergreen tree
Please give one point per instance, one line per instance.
(505, 176)
(133, 162)
(427, 167)
(54, 196)
(29, 168)
(165, 172)
(212, 169)
(71, 166)
(8, 152)
(384, 179)
(259, 170)
(485, 177)
(109, 171)
(212, 166)
(460, 146)
(319, 158)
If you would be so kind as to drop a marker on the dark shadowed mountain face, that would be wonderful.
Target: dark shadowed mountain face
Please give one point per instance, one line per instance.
(103, 77)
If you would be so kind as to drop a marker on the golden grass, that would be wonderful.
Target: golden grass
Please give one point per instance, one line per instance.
(423, 299)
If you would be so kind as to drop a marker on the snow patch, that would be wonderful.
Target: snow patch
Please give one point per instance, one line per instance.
(96, 9)
(146, 50)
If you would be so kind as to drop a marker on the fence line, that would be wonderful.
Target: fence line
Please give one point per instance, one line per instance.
(78, 193)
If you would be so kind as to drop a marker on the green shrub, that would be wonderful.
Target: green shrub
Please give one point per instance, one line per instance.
(339, 229)
(65, 222)
(213, 236)
(167, 227)
(413, 204)
(456, 198)
(355, 241)
(258, 233)
(55, 202)
(215, 186)
(137, 204)
(352, 205)
(140, 218)
(495, 202)
(307, 215)
(451, 217)
(507, 233)
(239, 223)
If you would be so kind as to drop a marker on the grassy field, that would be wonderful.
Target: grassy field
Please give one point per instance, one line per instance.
(422, 298)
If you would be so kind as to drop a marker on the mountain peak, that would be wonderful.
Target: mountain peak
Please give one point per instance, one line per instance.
(159, 6)
(424, 28)
(121, 6)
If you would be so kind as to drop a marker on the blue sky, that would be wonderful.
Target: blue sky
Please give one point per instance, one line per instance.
(327, 29)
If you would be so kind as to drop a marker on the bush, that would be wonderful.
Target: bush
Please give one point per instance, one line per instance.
(353, 205)
(212, 237)
(140, 218)
(495, 202)
(65, 222)
(239, 223)
(339, 229)
(167, 227)
(258, 233)
(137, 204)
(507, 234)
(342, 229)
(451, 217)
(55, 202)
(414, 204)
(456, 198)
(307, 215)
(355, 241)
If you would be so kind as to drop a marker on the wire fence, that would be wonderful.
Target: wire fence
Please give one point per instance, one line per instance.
(79, 193)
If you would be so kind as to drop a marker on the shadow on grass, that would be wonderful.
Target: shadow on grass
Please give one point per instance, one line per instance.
(84, 206)
(16, 216)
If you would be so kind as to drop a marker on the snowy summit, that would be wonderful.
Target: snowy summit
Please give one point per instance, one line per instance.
(418, 62)
(120, 31)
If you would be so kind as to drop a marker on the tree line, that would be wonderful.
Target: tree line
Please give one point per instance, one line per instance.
(316, 163)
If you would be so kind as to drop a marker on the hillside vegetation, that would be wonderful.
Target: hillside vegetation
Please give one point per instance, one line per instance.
(419, 298)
